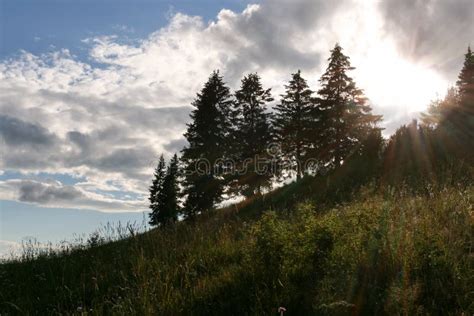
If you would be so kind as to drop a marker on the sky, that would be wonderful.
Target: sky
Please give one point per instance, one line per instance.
(92, 91)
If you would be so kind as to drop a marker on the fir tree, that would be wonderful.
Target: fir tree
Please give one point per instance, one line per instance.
(168, 207)
(209, 140)
(155, 188)
(465, 84)
(465, 87)
(252, 136)
(346, 116)
(457, 128)
(292, 120)
(438, 109)
(164, 193)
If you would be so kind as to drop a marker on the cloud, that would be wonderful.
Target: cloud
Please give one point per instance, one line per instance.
(106, 119)
(108, 124)
(176, 145)
(30, 145)
(436, 31)
(54, 194)
(128, 160)
(16, 132)
(123, 28)
(30, 191)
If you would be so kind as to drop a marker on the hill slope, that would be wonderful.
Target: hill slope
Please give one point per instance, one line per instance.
(379, 253)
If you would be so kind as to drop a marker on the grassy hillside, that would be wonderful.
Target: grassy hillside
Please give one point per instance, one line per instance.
(378, 252)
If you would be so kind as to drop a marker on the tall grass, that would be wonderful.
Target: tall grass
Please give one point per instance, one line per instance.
(387, 252)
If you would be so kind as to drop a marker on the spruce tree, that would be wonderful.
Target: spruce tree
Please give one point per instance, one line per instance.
(291, 122)
(465, 84)
(164, 193)
(465, 87)
(253, 135)
(457, 128)
(156, 188)
(345, 115)
(168, 207)
(209, 140)
(438, 109)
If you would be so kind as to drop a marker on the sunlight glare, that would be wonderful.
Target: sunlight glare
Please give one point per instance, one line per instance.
(390, 79)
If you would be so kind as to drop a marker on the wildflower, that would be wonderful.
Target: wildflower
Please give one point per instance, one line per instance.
(281, 310)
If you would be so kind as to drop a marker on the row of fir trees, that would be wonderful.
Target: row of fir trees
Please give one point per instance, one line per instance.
(324, 127)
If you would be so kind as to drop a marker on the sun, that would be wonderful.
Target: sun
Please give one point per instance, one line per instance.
(391, 79)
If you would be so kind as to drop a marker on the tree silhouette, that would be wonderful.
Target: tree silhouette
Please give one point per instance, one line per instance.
(155, 188)
(346, 116)
(209, 140)
(465, 84)
(165, 187)
(252, 136)
(438, 109)
(465, 113)
(457, 128)
(291, 122)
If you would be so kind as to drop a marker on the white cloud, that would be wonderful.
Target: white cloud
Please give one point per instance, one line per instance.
(123, 28)
(108, 123)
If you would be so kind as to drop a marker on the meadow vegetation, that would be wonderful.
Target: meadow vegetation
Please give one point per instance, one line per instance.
(385, 251)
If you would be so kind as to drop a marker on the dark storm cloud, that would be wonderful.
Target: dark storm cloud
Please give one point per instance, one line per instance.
(435, 31)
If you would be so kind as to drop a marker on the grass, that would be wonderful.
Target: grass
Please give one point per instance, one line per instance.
(381, 253)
